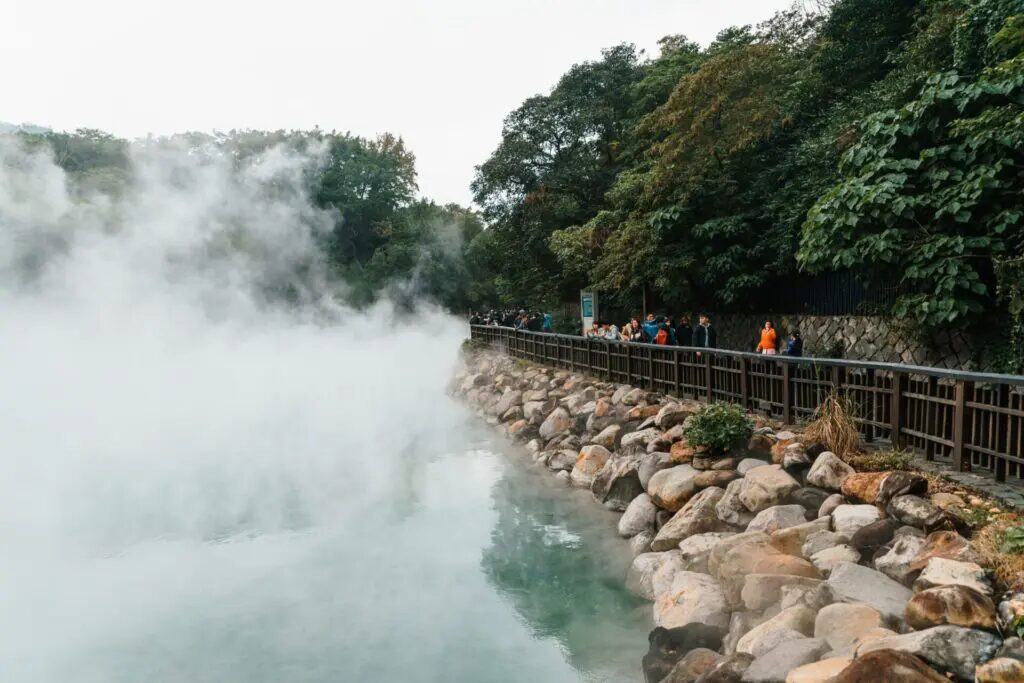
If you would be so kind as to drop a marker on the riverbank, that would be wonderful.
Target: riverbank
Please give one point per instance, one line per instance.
(779, 562)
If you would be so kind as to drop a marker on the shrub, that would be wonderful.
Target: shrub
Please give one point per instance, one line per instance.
(834, 426)
(718, 428)
(1013, 541)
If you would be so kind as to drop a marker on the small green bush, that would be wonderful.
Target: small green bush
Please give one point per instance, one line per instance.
(1013, 541)
(718, 428)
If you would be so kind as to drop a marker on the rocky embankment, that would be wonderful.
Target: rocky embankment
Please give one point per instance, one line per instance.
(779, 563)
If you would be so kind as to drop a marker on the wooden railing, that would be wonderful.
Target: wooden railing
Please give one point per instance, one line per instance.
(971, 421)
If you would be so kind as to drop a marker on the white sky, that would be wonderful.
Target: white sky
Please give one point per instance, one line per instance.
(440, 73)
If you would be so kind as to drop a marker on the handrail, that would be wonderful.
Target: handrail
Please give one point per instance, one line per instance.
(975, 420)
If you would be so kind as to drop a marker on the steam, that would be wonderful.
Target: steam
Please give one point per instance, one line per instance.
(181, 389)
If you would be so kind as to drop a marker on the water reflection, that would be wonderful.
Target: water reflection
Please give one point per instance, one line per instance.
(555, 557)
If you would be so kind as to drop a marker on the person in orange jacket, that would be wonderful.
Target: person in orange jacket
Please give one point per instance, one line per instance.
(769, 340)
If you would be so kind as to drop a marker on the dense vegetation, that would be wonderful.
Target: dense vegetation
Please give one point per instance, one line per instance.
(384, 239)
(882, 137)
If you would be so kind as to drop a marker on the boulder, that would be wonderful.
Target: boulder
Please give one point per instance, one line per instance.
(872, 536)
(774, 665)
(777, 517)
(863, 486)
(953, 604)
(665, 574)
(830, 504)
(799, 619)
(826, 560)
(942, 572)
(842, 624)
(946, 648)
(898, 667)
(779, 563)
(761, 591)
(589, 463)
(560, 460)
(791, 539)
(670, 415)
(729, 670)
(760, 446)
(764, 487)
(829, 472)
(630, 397)
(510, 399)
(720, 478)
(946, 501)
(638, 517)
(717, 560)
(681, 452)
(778, 451)
(640, 576)
(896, 562)
(900, 484)
(696, 517)
(671, 488)
(693, 665)
(853, 583)
(747, 464)
(534, 411)
(608, 437)
(645, 413)
(810, 497)
(513, 414)
(666, 647)
(818, 672)
(617, 484)
(795, 458)
(638, 439)
(651, 463)
(697, 548)
(911, 509)
(847, 519)
(730, 508)
(1000, 670)
(946, 544)
(821, 540)
(694, 598)
(641, 543)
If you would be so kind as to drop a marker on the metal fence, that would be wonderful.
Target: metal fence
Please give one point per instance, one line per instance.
(971, 421)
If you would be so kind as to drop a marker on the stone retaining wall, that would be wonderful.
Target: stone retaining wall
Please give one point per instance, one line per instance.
(869, 338)
(776, 562)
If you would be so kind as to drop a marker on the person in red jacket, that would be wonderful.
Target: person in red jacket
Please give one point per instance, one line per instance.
(769, 340)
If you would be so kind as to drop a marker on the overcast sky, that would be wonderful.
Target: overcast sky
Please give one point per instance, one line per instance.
(440, 73)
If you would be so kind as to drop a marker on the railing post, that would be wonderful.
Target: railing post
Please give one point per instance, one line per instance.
(960, 463)
(744, 387)
(675, 371)
(787, 394)
(708, 375)
(896, 410)
(629, 364)
(650, 368)
(608, 363)
(572, 354)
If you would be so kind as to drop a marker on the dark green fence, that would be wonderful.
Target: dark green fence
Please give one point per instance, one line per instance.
(972, 421)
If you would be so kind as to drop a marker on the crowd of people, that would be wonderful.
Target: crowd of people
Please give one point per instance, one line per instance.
(661, 330)
(518, 319)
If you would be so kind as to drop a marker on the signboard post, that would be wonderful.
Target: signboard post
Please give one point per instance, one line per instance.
(588, 309)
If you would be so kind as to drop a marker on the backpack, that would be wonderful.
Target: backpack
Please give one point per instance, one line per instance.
(661, 337)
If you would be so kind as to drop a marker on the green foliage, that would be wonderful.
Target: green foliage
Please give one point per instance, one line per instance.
(1013, 541)
(719, 428)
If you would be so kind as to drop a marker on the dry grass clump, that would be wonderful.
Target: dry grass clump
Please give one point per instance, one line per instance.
(988, 543)
(833, 426)
(882, 461)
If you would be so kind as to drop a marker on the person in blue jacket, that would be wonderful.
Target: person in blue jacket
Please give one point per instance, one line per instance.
(795, 345)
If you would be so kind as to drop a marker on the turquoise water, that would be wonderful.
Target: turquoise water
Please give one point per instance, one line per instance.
(476, 568)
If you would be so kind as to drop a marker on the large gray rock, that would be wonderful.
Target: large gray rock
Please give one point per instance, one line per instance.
(827, 560)
(557, 422)
(640, 576)
(764, 487)
(510, 399)
(842, 624)
(639, 516)
(652, 463)
(947, 648)
(730, 508)
(761, 591)
(912, 510)
(763, 637)
(589, 463)
(896, 563)
(847, 519)
(853, 583)
(694, 598)
(560, 460)
(617, 484)
(671, 415)
(828, 472)
(774, 666)
(639, 439)
(777, 517)
(696, 517)
(942, 572)
(609, 436)
(673, 487)
(747, 464)
(697, 548)
(821, 540)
